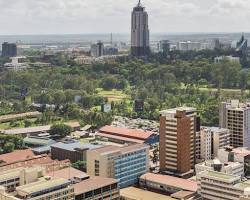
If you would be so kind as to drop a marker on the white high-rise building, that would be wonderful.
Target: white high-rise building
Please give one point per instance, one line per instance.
(235, 116)
(139, 32)
(211, 140)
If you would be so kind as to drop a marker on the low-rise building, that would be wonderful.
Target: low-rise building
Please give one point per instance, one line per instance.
(24, 132)
(133, 193)
(89, 187)
(13, 178)
(227, 58)
(241, 155)
(167, 184)
(26, 158)
(232, 168)
(125, 164)
(72, 150)
(124, 135)
(43, 189)
(96, 188)
(216, 185)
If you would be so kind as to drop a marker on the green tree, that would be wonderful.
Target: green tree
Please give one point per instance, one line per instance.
(8, 147)
(61, 130)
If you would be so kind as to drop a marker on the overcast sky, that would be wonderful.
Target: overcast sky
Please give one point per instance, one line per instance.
(104, 16)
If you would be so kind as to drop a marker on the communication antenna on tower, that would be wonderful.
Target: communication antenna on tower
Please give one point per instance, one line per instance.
(139, 3)
(111, 39)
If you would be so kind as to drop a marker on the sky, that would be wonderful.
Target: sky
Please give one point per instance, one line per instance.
(104, 16)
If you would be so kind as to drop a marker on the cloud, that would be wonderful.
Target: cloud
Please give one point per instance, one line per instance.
(89, 16)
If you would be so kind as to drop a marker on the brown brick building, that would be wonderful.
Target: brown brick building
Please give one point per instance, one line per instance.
(177, 141)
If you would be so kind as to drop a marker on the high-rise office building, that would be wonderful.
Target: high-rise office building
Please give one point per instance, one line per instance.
(164, 46)
(9, 49)
(178, 128)
(139, 32)
(235, 116)
(97, 50)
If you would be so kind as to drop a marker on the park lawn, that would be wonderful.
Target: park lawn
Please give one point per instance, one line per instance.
(113, 95)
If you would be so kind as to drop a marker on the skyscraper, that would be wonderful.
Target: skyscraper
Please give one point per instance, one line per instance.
(178, 128)
(97, 50)
(139, 32)
(9, 49)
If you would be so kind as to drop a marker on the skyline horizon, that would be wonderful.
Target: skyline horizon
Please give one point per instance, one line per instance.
(57, 17)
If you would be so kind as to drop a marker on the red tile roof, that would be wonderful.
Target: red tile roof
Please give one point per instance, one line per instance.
(182, 184)
(124, 132)
(41, 160)
(16, 156)
(120, 138)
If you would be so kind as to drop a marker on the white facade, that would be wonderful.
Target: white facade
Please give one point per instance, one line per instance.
(211, 140)
(232, 168)
(229, 58)
(189, 46)
(217, 185)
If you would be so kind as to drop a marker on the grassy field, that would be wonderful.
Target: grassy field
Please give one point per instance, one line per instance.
(113, 95)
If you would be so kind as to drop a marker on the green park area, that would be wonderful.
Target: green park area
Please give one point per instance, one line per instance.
(113, 95)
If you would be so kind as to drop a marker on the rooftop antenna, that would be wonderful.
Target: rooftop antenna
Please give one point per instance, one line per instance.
(139, 3)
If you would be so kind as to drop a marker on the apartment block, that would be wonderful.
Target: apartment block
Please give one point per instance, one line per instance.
(178, 129)
(125, 164)
(211, 140)
(216, 185)
(45, 188)
(235, 116)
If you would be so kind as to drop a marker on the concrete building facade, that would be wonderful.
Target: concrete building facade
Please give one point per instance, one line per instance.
(125, 164)
(177, 140)
(211, 140)
(235, 116)
(139, 32)
(216, 185)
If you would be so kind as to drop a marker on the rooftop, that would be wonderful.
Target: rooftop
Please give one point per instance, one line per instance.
(92, 183)
(71, 146)
(6, 118)
(183, 194)
(38, 141)
(220, 175)
(16, 156)
(241, 151)
(124, 132)
(180, 183)
(125, 149)
(129, 140)
(138, 194)
(68, 173)
(41, 186)
(36, 129)
(174, 110)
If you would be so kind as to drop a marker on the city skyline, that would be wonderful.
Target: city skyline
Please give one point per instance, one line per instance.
(78, 17)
